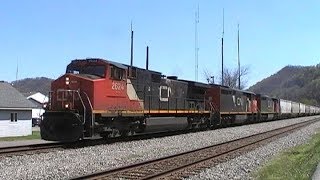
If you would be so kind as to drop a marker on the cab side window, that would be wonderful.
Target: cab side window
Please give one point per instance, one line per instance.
(117, 73)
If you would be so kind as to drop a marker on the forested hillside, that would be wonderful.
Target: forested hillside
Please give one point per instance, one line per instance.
(296, 83)
(29, 86)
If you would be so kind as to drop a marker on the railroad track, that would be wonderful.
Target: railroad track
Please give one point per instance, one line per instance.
(30, 149)
(44, 148)
(185, 164)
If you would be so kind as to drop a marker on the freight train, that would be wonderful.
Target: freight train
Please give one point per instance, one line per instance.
(106, 98)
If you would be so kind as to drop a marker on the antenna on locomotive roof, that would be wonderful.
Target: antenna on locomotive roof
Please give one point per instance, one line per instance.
(222, 80)
(147, 58)
(131, 58)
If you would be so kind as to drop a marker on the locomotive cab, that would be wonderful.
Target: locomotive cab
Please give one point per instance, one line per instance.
(68, 115)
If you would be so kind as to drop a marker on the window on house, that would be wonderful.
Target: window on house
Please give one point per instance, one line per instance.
(14, 117)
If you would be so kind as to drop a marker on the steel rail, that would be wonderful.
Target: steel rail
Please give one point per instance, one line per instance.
(26, 149)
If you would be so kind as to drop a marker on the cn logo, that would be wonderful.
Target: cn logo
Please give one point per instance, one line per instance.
(164, 93)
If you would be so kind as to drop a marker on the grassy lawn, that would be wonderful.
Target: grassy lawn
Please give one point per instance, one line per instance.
(35, 135)
(297, 163)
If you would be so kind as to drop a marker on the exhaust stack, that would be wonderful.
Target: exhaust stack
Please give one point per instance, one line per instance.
(131, 59)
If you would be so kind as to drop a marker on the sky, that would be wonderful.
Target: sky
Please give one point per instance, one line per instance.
(42, 37)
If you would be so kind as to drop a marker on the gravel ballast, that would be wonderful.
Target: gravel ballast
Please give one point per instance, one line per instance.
(75, 162)
(242, 167)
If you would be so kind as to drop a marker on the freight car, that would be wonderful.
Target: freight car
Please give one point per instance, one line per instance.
(106, 98)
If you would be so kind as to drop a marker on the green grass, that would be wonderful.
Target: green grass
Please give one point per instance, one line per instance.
(35, 135)
(297, 163)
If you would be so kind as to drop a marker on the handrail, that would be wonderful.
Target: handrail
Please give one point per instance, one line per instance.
(91, 107)
(211, 106)
(84, 107)
(49, 103)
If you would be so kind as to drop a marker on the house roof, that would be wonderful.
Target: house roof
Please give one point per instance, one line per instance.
(36, 103)
(39, 97)
(12, 98)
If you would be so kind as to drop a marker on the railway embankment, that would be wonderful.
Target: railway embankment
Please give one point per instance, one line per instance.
(299, 162)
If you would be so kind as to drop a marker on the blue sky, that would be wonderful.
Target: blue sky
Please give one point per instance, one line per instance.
(44, 36)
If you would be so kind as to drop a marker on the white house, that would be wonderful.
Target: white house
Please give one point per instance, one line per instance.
(15, 112)
(39, 100)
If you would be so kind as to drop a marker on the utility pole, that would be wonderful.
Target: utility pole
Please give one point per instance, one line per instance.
(239, 55)
(222, 79)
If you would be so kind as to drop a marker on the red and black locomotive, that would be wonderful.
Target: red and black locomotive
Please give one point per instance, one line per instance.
(101, 97)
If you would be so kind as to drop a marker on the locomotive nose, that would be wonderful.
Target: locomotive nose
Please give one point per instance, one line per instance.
(61, 126)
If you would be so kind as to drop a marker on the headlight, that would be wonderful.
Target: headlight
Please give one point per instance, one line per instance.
(67, 81)
(66, 106)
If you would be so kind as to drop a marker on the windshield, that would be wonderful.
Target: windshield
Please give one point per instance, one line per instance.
(97, 70)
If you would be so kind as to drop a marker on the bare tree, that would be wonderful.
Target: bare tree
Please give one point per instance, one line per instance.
(230, 77)
(209, 76)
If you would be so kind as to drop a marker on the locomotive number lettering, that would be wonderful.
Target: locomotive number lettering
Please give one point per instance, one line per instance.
(117, 86)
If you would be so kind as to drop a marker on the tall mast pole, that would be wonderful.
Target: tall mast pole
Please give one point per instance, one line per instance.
(239, 55)
(196, 48)
(222, 78)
